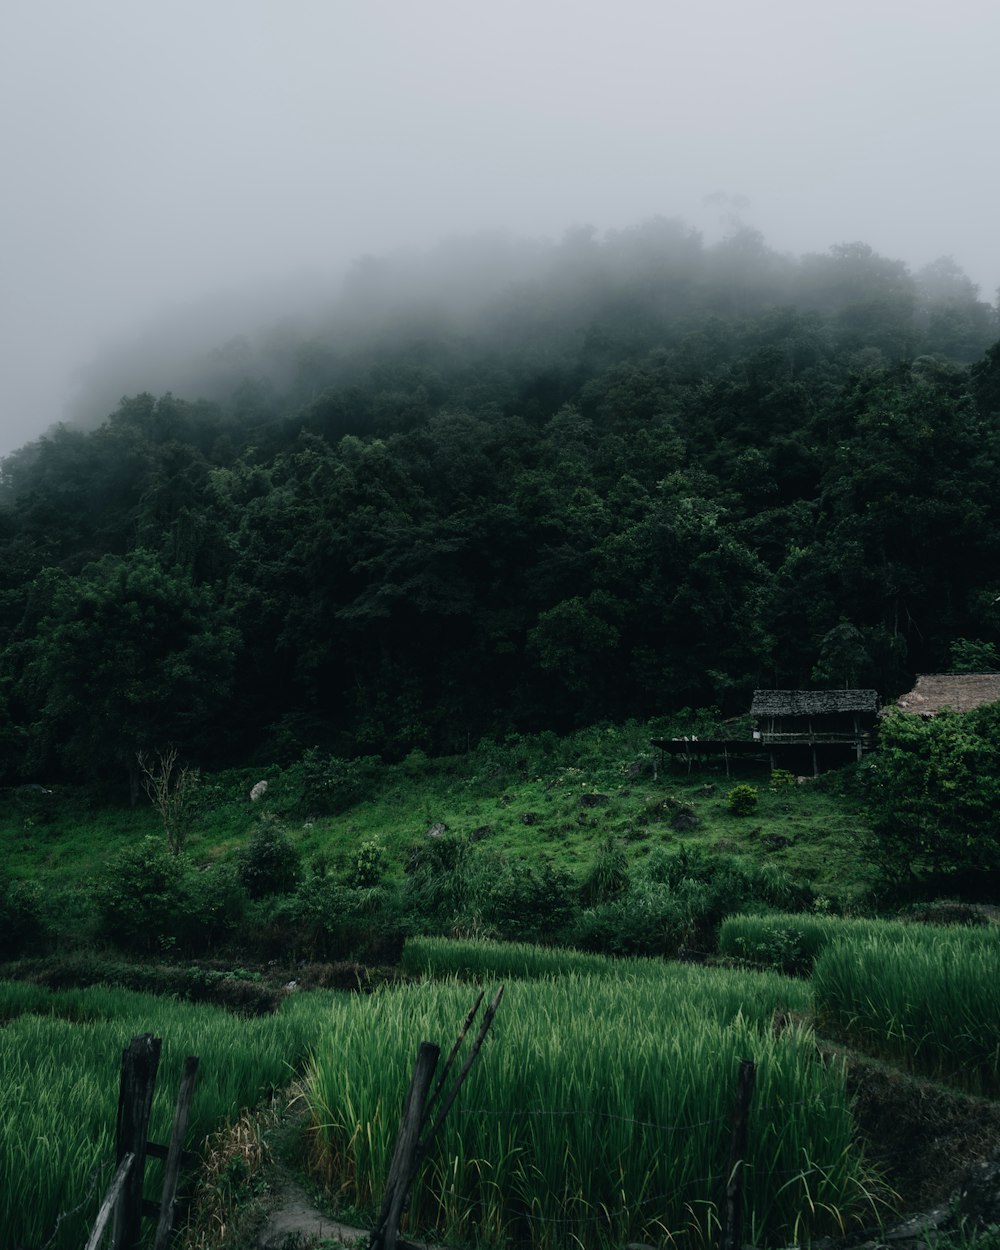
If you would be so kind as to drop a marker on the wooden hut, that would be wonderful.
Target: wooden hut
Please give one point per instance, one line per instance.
(950, 692)
(827, 724)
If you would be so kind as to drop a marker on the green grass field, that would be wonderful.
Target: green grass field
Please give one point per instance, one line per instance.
(551, 802)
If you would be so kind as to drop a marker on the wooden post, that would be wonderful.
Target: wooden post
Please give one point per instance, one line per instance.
(732, 1215)
(140, 1060)
(454, 1052)
(175, 1153)
(452, 1094)
(402, 1170)
(110, 1198)
(411, 1148)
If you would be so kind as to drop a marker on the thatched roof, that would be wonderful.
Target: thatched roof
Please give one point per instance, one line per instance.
(812, 702)
(950, 692)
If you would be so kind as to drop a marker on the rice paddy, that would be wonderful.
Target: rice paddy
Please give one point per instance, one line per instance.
(927, 1001)
(598, 1113)
(59, 1075)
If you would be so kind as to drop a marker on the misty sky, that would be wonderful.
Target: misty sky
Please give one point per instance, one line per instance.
(157, 152)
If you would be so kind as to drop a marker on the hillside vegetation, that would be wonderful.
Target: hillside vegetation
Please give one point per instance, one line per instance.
(589, 839)
(645, 474)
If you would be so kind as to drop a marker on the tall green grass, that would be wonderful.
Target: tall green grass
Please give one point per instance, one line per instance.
(721, 993)
(793, 942)
(598, 1112)
(59, 1076)
(446, 957)
(929, 1001)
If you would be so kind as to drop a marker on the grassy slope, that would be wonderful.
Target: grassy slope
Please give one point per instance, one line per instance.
(530, 810)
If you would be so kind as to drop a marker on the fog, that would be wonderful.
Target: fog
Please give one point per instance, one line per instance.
(215, 166)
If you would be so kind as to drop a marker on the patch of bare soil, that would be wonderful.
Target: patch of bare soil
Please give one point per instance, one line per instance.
(295, 1223)
(938, 1148)
(925, 1137)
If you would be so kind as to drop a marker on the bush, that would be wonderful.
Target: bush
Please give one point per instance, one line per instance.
(609, 876)
(934, 793)
(519, 902)
(269, 863)
(440, 883)
(742, 800)
(327, 921)
(150, 900)
(369, 866)
(20, 916)
(710, 887)
(331, 785)
(650, 920)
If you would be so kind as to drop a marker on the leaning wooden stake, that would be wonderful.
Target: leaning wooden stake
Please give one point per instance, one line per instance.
(175, 1153)
(454, 1051)
(732, 1216)
(452, 1094)
(403, 1168)
(110, 1198)
(411, 1149)
(140, 1060)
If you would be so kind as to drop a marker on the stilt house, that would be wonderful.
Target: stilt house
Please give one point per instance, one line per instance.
(815, 724)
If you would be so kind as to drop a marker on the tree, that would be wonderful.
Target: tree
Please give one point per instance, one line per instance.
(935, 795)
(171, 788)
(970, 655)
(124, 657)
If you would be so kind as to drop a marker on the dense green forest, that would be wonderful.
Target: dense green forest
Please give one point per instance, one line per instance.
(512, 490)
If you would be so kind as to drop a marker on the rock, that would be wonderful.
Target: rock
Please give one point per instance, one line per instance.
(979, 1197)
(477, 835)
(775, 841)
(705, 791)
(685, 820)
(436, 831)
(529, 818)
(593, 800)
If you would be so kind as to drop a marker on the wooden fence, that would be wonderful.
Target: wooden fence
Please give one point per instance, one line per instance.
(124, 1206)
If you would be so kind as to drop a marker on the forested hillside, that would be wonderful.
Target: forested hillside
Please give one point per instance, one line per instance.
(512, 488)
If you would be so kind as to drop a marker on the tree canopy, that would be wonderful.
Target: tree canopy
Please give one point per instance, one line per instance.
(642, 473)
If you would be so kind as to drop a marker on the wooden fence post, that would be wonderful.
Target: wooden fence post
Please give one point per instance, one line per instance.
(732, 1216)
(175, 1153)
(110, 1198)
(404, 1160)
(411, 1148)
(140, 1061)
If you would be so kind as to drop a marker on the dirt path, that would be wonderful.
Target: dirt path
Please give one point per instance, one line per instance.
(296, 1222)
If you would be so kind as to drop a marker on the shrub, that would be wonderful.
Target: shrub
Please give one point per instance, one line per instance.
(269, 863)
(609, 876)
(742, 800)
(934, 790)
(333, 921)
(331, 784)
(369, 866)
(439, 883)
(518, 901)
(650, 920)
(150, 900)
(20, 916)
